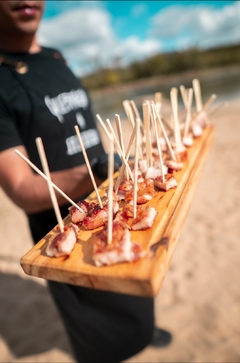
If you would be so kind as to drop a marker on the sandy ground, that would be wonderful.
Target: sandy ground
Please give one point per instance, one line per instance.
(199, 299)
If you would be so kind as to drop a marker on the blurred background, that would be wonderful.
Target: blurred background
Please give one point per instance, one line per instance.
(129, 50)
(140, 47)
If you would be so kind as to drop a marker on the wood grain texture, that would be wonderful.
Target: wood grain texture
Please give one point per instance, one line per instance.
(144, 277)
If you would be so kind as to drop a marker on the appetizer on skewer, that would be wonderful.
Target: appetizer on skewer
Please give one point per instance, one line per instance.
(187, 134)
(145, 192)
(145, 216)
(113, 243)
(63, 241)
(64, 238)
(201, 119)
(93, 216)
(168, 183)
(121, 248)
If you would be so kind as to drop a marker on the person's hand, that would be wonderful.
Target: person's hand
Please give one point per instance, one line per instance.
(100, 165)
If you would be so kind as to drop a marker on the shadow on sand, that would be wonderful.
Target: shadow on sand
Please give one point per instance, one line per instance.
(29, 321)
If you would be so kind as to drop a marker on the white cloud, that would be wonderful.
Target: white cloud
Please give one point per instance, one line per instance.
(135, 49)
(74, 26)
(86, 38)
(139, 9)
(81, 34)
(203, 26)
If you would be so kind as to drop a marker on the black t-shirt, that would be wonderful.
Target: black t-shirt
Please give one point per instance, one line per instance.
(47, 101)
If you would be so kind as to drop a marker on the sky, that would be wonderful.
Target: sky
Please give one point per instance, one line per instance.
(93, 34)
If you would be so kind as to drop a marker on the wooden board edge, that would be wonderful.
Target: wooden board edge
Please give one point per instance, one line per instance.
(171, 234)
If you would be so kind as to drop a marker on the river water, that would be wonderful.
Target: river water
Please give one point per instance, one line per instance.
(224, 83)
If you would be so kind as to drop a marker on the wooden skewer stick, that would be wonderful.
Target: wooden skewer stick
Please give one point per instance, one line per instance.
(110, 189)
(163, 120)
(158, 110)
(44, 177)
(135, 185)
(120, 151)
(136, 115)
(112, 132)
(186, 93)
(184, 96)
(122, 169)
(128, 110)
(205, 107)
(135, 110)
(158, 145)
(50, 187)
(158, 106)
(120, 137)
(164, 134)
(218, 107)
(209, 101)
(188, 116)
(88, 165)
(119, 131)
(146, 121)
(197, 93)
(158, 101)
(116, 144)
(177, 134)
(167, 125)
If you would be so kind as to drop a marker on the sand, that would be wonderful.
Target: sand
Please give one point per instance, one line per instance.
(199, 299)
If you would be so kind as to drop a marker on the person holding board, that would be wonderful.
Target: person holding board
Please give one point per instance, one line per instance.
(41, 97)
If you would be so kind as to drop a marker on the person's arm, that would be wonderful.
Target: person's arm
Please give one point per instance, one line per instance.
(30, 191)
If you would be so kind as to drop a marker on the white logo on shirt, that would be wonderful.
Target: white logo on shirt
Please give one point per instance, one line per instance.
(80, 120)
(66, 102)
(90, 138)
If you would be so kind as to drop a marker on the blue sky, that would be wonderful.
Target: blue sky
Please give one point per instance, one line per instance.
(97, 33)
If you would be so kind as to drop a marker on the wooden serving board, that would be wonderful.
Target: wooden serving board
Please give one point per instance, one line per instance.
(144, 277)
